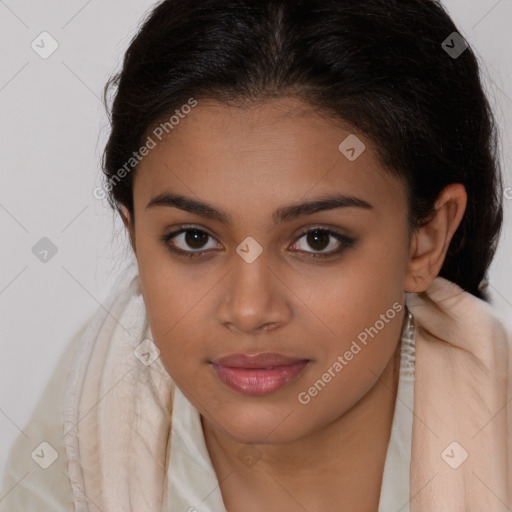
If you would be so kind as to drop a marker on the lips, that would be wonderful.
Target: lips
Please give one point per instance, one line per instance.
(264, 360)
(258, 374)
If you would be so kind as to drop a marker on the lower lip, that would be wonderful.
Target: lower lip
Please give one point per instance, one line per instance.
(258, 381)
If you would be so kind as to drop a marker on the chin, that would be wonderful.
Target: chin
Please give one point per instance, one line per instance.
(254, 429)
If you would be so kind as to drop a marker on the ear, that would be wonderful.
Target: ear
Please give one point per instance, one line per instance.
(129, 225)
(430, 242)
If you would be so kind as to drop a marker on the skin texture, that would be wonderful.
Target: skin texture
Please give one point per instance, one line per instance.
(247, 162)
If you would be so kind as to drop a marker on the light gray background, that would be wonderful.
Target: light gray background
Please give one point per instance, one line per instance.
(52, 131)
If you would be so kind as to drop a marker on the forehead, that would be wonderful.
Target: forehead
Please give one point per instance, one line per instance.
(270, 153)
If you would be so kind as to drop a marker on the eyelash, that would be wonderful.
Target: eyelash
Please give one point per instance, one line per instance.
(345, 241)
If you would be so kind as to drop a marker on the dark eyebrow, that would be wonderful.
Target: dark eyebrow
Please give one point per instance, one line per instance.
(283, 214)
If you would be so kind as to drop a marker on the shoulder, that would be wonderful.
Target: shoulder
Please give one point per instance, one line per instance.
(36, 473)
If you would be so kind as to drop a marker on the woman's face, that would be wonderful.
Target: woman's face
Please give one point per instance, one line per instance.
(257, 282)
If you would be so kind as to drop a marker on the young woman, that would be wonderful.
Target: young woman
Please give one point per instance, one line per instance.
(313, 198)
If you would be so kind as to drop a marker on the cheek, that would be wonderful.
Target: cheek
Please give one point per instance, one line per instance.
(170, 289)
(170, 311)
(362, 311)
(352, 367)
(353, 296)
(174, 300)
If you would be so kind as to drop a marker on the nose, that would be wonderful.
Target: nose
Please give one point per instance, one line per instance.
(254, 298)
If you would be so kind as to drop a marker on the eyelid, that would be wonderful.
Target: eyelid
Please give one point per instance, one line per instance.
(344, 240)
(166, 239)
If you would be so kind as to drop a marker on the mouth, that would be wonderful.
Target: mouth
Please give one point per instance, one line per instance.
(258, 374)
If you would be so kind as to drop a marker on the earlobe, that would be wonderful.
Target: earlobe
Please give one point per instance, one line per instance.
(431, 241)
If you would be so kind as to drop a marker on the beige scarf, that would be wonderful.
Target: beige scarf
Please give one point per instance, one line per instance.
(117, 400)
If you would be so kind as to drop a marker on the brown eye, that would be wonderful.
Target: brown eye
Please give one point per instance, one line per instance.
(189, 242)
(319, 239)
(192, 242)
(195, 238)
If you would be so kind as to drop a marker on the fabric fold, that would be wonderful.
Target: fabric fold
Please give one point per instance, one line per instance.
(461, 438)
(117, 409)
